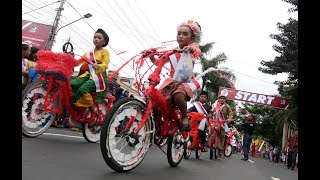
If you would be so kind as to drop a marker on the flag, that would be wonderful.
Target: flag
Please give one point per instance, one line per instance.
(262, 143)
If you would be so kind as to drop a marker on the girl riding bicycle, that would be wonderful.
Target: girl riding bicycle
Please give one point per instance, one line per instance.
(94, 77)
(177, 93)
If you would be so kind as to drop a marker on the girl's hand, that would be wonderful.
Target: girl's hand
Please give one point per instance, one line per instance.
(190, 48)
(96, 66)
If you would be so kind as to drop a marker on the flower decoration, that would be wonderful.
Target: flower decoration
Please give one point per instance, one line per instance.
(194, 26)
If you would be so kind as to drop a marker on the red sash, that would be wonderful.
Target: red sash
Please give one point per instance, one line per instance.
(97, 78)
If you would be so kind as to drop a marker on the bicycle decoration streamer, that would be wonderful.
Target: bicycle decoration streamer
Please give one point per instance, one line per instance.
(59, 66)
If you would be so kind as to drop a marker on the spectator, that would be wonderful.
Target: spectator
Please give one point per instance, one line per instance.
(247, 138)
(26, 49)
(119, 94)
(126, 93)
(32, 62)
(293, 150)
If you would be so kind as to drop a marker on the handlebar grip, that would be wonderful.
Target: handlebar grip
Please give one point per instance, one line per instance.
(183, 51)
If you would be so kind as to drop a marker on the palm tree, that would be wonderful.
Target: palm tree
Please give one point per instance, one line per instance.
(212, 81)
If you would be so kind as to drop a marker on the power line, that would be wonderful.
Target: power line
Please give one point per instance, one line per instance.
(253, 77)
(40, 7)
(40, 14)
(124, 22)
(141, 21)
(126, 15)
(148, 20)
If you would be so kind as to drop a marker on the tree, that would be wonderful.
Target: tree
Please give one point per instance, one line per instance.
(269, 121)
(286, 62)
(212, 81)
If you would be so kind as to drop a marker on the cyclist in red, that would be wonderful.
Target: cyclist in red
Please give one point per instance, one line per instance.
(227, 115)
(177, 93)
(203, 107)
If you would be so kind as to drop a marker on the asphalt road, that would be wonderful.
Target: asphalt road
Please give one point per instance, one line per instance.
(61, 154)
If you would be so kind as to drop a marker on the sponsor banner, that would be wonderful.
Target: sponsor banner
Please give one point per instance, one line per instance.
(35, 34)
(255, 98)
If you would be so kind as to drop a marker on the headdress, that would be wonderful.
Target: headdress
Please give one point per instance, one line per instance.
(194, 26)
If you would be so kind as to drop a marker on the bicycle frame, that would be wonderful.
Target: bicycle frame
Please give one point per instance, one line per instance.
(170, 115)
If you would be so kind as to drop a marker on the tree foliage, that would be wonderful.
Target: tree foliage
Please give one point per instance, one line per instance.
(286, 62)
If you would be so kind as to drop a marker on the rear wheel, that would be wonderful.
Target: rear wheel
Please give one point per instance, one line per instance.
(124, 152)
(92, 133)
(175, 149)
(35, 120)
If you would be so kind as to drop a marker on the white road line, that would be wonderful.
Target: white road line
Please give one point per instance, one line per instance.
(51, 134)
(273, 178)
(250, 161)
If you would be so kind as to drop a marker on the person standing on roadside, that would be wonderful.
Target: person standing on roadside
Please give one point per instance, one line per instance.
(247, 137)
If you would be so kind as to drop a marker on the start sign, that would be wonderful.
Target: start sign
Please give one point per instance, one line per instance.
(255, 98)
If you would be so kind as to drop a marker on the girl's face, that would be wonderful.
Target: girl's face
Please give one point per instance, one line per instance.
(26, 53)
(98, 40)
(184, 36)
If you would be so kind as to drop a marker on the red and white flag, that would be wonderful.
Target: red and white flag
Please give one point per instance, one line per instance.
(261, 145)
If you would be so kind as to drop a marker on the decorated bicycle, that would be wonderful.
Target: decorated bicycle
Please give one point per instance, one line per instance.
(46, 97)
(228, 142)
(194, 142)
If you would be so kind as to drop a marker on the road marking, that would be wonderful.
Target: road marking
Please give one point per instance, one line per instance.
(250, 161)
(51, 134)
(273, 178)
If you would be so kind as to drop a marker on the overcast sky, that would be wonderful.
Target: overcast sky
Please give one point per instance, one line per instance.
(240, 29)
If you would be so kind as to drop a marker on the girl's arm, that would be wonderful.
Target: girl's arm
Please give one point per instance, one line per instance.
(104, 62)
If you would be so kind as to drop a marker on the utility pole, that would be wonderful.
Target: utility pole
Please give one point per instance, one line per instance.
(53, 33)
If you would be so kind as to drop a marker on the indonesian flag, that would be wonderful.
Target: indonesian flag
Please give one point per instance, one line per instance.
(97, 78)
(262, 143)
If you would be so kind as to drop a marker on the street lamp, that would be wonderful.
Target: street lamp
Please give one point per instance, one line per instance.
(88, 15)
(53, 35)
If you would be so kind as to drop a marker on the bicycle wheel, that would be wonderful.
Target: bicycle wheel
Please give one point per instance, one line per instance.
(213, 150)
(198, 153)
(116, 150)
(36, 121)
(228, 151)
(92, 133)
(187, 151)
(175, 149)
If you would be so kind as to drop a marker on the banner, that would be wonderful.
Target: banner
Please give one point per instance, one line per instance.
(255, 98)
(35, 34)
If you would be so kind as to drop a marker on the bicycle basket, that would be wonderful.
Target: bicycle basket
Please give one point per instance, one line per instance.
(60, 65)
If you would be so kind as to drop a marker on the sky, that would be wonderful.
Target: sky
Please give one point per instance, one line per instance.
(240, 29)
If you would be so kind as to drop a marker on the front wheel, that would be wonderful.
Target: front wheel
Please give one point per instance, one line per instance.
(35, 120)
(213, 150)
(187, 151)
(175, 149)
(122, 151)
(228, 151)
